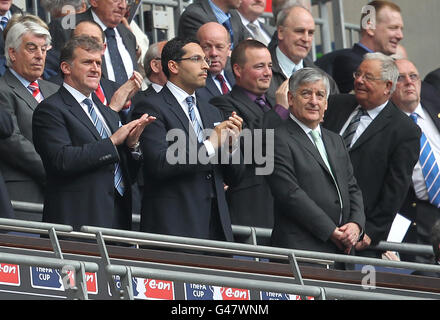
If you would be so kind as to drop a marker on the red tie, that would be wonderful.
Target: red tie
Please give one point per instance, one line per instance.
(35, 90)
(223, 85)
(100, 94)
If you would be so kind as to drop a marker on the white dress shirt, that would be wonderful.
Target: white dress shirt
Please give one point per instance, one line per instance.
(217, 83)
(245, 22)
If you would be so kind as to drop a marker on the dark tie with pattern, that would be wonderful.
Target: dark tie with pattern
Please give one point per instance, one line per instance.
(263, 104)
(118, 183)
(223, 84)
(115, 56)
(352, 127)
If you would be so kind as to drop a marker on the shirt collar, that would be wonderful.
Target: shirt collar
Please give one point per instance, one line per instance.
(179, 93)
(364, 47)
(23, 81)
(374, 112)
(219, 14)
(79, 97)
(286, 64)
(305, 128)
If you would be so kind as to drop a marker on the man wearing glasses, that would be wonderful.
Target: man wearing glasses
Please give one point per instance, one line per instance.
(422, 202)
(183, 174)
(383, 143)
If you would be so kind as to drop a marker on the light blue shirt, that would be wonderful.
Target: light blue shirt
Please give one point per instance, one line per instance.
(219, 14)
(287, 65)
(23, 81)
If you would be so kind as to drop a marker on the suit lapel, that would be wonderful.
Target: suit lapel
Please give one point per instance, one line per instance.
(248, 105)
(175, 108)
(111, 119)
(433, 112)
(380, 122)
(20, 90)
(211, 86)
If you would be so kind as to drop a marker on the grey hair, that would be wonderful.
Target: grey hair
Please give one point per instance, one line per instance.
(389, 69)
(285, 10)
(152, 53)
(308, 75)
(15, 34)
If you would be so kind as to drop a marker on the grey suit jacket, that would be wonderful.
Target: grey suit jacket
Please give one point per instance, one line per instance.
(18, 159)
(307, 207)
(199, 13)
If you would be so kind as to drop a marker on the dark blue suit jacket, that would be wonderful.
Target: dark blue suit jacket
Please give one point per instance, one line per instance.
(211, 90)
(178, 198)
(80, 164)
(6, 130)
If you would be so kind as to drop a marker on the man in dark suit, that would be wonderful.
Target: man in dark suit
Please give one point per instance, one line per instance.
(290, 53)
(85, 151)
(154, 79)
(7, 9)
(382, 36)
(318, 204)
(420, 205)
(250, 202)
(250, 11)
(222, 11)
(216, 44)
(382, 141)
(21, 89)
(183, 176)
(433, 78)
(6, 130)
(119, 59)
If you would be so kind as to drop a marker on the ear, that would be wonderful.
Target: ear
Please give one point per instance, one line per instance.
(154, 65)
(236, 70)
(12, 56)
(65, 68)
(389, 86)
(173, 67)
(280, 33)
(369, 30)
(93, 3)
(104, 46)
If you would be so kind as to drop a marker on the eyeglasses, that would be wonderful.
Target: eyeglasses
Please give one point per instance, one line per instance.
(368, 77)
(198, 59)
(413, 77)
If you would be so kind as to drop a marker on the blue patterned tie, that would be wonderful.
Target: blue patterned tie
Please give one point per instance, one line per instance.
(192, 116)
(119, 184)
(228, 26)
(115, 57)
(4, 22)
(429, 166)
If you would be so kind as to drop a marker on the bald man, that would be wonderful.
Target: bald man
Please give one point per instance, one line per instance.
(155, 78)
(216, 44)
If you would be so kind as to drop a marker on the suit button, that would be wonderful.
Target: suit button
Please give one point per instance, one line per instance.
(413, 204)
(414, 224)
(209, 176)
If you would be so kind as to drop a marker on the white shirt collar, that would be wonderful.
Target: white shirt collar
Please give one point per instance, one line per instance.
(305, 128)
(373, 113)
(76, 94)
(286, 64)
(179, 93)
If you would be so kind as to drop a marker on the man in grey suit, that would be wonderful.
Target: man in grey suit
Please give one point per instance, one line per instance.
(119, 60)
(317, 203)
(250, 11)
(21, 89)
(221, 11)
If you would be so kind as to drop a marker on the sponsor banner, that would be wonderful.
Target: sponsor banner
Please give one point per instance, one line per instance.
(153, 289)
(9, 274)
(51, 279)
(264, 295)
(206, 292)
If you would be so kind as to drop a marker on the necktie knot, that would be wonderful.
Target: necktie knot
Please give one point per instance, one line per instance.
(315, 135)
(110, 32)
(223, 84)
(190, 101)
(34, 86)
(414, 117)
(262, 103)
(88, 103)
(3, 22)
(36, 93)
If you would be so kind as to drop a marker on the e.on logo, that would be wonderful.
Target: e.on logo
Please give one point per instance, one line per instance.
(9, 274)
(153, 289)
(224, 293)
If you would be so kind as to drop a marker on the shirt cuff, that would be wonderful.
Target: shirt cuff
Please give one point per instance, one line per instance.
(209, 148)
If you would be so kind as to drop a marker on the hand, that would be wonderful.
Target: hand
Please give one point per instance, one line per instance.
(335, 237)
(120, 135)
(135, 133)
(390, 255)
(122, 96)
(281, 94)
(362, 245)
(350, 234)
(230, 128)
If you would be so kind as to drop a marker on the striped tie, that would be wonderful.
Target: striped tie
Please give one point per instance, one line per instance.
(352, 127)
(192, 116)
(3, 22)
(119, 184)
(430, 168)
(36, 93)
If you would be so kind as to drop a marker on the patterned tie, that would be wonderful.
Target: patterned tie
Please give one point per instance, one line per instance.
(100, 94)
(119, 184)
(194, 122)
(3, 22)
(228, 26)
(295, 68)
(320, 146)
(223, 84)
(36, 93)
(352, 127)
(118, 65)
(256, 33)
(262, 103)
(430, 168)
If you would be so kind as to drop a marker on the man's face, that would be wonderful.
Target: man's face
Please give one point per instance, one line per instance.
(308, 103)
(110, 12)
(389, 31)
(370, 90)
(5, 5)
(216, 46)
(256, 73)
(192, 74)
(407, 93)
(252, 9)
(84, 73)
(296, 35)
(29, 59)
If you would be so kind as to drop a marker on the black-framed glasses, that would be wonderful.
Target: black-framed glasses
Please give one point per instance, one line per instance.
(198, 59)
(413, 77)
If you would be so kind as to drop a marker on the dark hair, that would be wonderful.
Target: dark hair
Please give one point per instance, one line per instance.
(84, 42)
(238, 55)
(435, 240)
(173, 50)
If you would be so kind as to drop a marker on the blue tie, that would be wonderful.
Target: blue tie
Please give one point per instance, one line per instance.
(430, 169)
(192, 116)
(119, 185)
(228, 26)
(4, 22)
(115, 57)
